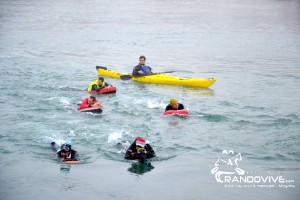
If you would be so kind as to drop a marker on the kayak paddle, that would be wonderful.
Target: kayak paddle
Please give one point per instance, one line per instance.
(128, 77)
(100, 67)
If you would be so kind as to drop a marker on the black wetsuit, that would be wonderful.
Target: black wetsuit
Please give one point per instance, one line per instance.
(73, 156)
(180, 107)
(149, 153)
(138, 68)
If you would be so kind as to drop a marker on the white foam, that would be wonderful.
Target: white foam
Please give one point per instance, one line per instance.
(114, 137)
(151, 104)
(155, 104)
(64, 101)
(72, 133)
(57, 141)
(63, 86)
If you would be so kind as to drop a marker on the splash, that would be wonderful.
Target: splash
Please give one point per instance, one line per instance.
(69, 88)
(64, 101)
(114, 138)
(72, 133)
(57, 140)
(151, 104)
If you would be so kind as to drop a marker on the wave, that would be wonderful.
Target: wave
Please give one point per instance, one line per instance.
(283, 168)
(254, 108)
(226, 103)
(276, 157)
(215, 118)
(71, 88)
(155, 104)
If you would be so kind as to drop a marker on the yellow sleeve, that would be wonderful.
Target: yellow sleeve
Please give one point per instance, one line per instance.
(91, 85)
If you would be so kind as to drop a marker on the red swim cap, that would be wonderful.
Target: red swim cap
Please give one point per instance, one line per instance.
(140, 142)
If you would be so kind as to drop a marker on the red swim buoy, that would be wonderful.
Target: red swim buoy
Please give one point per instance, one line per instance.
(182, 112)
(107, 90)
(72, 162)
(92, 110)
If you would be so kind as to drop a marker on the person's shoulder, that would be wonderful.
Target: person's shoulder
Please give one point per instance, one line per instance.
(132, 146)
(74, 153)
(149, 148)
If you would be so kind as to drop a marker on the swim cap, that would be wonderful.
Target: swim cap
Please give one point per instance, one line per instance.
(140, 142)
(66, 147)
(173, 101)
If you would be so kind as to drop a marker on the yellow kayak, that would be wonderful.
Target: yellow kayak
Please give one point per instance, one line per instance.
(160, 78)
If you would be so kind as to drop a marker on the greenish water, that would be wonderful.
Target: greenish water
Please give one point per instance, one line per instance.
(49, 51)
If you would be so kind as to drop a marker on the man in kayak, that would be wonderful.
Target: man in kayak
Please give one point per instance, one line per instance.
(174, 105)
(65, 154)
(98, 84)
(90, 102)
(139, 150)
(141, 68)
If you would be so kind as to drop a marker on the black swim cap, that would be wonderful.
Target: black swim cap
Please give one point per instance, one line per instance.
(66, 147)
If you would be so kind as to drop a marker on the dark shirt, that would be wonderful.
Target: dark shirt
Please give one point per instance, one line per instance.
(138, 68)
(74, 156)
(180, 107)
(139, 156)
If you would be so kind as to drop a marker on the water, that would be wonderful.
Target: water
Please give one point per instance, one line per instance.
(49, 51)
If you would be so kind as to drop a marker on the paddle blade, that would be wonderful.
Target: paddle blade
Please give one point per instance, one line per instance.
(125, 77)
(100, 67)
(128, 77)
(165, 72)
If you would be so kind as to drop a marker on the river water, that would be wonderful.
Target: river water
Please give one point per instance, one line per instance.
(49, 50)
